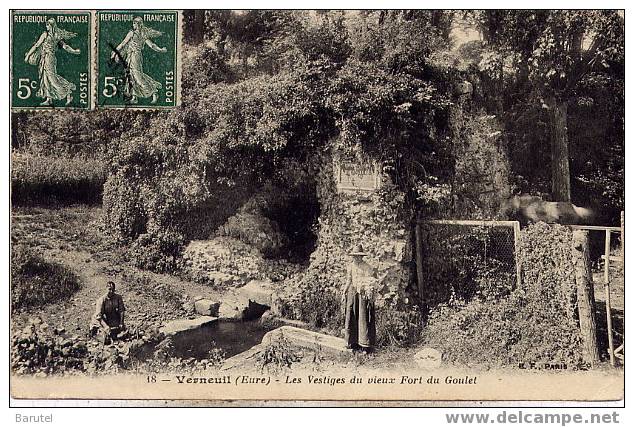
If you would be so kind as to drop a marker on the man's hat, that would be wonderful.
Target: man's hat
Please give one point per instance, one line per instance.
(357, 250)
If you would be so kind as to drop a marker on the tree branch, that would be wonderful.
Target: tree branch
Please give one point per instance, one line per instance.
(584, 64)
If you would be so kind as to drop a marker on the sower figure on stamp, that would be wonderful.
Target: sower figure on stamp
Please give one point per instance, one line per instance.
(358, 298)
(139, 84)
(42, 53)
(109, 316)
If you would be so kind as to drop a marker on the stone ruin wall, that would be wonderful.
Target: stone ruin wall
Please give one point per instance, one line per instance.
(378, 220)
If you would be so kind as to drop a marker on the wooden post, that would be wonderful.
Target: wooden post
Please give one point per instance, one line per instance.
(518, 261)
(623, 240)
(606, 270)
(606, 287)
(585, 300)
(419, 265)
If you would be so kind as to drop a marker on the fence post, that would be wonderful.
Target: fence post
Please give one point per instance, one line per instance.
(585, 293)
(623, 240)
(419, 264)
(518, 261)
(606, 287)
(606, 270)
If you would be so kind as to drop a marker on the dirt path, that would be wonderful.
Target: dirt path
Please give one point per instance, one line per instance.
(71, 237)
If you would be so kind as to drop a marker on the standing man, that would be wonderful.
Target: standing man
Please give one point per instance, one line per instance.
(358, 296)
(109, 315)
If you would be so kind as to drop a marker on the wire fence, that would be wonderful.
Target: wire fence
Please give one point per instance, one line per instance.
(462, 259)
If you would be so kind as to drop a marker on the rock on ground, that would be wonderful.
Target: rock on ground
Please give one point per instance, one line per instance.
(428, 358)
(307, 339)
(258, 291)
(180, 325)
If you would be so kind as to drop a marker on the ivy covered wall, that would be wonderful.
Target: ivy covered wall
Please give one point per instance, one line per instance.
(380, 221)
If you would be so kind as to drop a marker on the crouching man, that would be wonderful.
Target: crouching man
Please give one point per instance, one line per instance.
(109, 316)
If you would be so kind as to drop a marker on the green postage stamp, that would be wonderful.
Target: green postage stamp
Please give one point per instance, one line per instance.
(138, 54)
(51, 59)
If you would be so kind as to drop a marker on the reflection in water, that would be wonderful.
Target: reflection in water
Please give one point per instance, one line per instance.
(231, 337)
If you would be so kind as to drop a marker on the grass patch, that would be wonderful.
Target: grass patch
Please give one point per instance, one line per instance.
(35, 281)
(52, 180)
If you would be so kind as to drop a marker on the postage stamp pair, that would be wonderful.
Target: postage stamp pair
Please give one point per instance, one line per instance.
(95, 59)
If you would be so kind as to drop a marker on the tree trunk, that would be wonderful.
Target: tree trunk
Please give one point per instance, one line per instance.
(491, 27)
(18, 126)
(560, 163)
(585, 296)
(221, 45)
(197, 27)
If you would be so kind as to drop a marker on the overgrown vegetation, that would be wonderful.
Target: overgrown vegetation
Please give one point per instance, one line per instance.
(315, 96)
(36, 350)
(159, 251)
(533, 324)
(41, 350)
(272, 88)
(35, 281)
(399, 326)
(463, 262)
(271, 98)
(277, 356)
(314, 302)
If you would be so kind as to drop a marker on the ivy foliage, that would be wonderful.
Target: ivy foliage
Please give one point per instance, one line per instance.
(241, 130)
(535, 323)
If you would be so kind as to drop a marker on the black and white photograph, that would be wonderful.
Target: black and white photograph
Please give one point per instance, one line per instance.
(345, 206)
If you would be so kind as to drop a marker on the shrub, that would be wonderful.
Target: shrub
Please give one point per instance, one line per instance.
(35, 281)
(321, 307)
(310, 298)
(277, 356)
(41, 351)
(515, 329)
(547, 264)
(34, 351)
(202, 66)
(395, 327)
(149, 189)
(42, 180)
(532, 324)
(159, 252)
(123, 214)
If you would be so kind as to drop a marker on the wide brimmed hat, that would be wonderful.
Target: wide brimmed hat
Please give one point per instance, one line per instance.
(357, 250)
